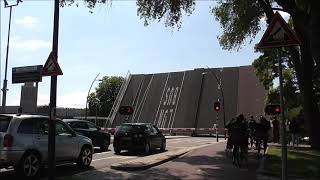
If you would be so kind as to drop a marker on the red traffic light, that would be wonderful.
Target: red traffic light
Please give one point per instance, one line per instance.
(272, 109)
(217, 106)
(126, 110)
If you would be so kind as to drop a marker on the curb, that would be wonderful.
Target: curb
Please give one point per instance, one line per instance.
(140, 164)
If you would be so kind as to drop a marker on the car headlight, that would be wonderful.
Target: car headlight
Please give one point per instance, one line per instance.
(140, 135)
(135, 136)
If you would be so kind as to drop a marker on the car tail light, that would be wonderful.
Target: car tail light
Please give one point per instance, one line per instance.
(7, 140)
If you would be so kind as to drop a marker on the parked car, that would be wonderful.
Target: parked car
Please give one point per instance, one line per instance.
(90, 130)
(24, 144)
(138, 136)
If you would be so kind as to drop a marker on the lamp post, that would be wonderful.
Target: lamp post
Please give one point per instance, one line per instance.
(89, 93)
(5, 81)
(219, 81)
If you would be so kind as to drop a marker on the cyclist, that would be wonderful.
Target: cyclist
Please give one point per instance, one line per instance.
(239, 138)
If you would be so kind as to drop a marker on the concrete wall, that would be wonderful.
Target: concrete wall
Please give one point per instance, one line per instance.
(171, 100)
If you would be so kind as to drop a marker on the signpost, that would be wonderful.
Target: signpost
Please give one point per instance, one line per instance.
(279, 35)
(52, 69)
(27, 74)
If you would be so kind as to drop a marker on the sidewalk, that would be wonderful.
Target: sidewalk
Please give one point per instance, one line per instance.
(209, 162)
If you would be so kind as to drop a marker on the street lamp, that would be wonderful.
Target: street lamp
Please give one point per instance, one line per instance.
(219, 81)
(89, 93)
(5, 81)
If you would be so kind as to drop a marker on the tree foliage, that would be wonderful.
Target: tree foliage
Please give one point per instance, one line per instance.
(101, 101)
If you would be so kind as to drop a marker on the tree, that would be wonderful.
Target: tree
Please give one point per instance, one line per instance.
(240, 20)
(101, 101)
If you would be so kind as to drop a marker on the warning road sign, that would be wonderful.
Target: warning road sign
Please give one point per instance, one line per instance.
(51, 67)
(278, 34)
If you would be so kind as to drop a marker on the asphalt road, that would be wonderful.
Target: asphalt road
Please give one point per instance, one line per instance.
(105, 159)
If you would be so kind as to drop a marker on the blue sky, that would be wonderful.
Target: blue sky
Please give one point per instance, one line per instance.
(110, 41)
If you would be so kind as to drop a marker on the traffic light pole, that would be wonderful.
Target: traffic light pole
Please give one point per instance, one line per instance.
(217, 120)
(283, 126)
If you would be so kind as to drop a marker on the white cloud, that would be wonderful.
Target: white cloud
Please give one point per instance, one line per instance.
(72, 100)
(43, 99)
(30, 45)
(27, 21)
(69, 100)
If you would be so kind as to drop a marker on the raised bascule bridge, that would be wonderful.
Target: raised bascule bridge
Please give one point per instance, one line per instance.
(183, 102)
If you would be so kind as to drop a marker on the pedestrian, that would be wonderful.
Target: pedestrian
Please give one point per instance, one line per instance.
(295, 130)
(262, 130)
(252, 128)
(275, 130)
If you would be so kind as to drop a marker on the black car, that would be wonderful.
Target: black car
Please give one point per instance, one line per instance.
(90, 130)
(138, 136)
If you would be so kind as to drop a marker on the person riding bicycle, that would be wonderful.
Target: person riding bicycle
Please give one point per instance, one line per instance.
(239, 139)
(262, 129)
(252, 130)
(229, 130)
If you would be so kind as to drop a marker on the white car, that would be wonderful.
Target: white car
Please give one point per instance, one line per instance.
(24, 144)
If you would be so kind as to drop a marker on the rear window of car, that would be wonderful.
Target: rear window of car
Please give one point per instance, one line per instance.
(4, 123)
(26, 126)
(131, 128)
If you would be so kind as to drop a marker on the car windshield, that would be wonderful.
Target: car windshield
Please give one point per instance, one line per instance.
(4, 123)
(131, 128)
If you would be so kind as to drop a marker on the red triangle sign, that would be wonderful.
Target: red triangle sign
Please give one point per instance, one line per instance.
(51, 67)
(278, 34)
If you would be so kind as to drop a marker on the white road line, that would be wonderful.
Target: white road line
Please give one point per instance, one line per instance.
(113, 157)
(103, 153)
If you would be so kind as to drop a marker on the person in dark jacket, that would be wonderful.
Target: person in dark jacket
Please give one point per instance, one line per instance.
(295, 129)
(275, 130)
(262, 129)
(252, 130)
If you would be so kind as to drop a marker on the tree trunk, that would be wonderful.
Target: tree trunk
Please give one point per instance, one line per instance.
(311, 110)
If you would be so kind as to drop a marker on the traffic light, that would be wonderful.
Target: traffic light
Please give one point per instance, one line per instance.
(125, 110)
(217, 106)
(272, 109)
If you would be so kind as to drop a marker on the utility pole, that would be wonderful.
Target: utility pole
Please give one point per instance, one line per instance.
(53, 97)
(5, 81)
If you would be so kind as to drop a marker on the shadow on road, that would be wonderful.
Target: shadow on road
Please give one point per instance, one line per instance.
(140, 153)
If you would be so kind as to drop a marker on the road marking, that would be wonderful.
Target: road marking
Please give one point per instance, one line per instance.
(103, 153)
(113, 157)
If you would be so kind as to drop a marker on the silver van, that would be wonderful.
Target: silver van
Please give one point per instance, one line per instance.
(24, 144)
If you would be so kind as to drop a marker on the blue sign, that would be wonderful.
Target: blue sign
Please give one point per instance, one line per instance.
(27, 74)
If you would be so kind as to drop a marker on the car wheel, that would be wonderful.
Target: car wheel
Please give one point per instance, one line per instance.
(105, 145)
(147, 148)
(85, 157)
(116, 150)
(30, 165)
(163, 146)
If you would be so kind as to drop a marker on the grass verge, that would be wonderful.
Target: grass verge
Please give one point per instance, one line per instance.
(301, 162)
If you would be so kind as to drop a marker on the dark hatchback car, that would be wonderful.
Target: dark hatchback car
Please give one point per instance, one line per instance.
(90, 130)
(138, 136)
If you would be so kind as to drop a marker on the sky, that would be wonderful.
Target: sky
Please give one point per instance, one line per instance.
(111, 41)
